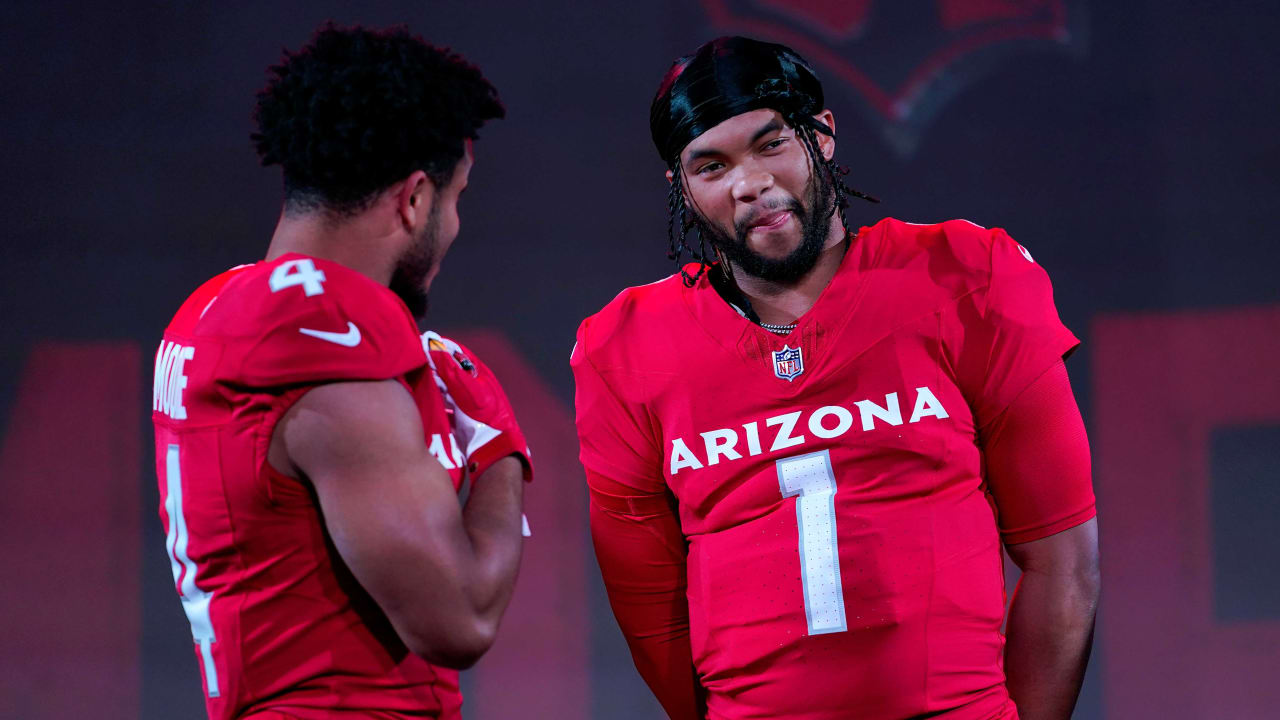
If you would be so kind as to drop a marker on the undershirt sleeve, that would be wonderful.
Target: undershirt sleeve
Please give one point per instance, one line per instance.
(636, 532)
(642, 556)
(1036, 458)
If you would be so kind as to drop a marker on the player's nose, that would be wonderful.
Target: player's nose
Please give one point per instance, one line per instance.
(751, 184)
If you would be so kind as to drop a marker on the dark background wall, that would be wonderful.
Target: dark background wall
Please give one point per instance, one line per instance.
(1131, 146)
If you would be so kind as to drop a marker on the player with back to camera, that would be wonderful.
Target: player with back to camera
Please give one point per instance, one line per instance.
(308, 466)
(806, 449)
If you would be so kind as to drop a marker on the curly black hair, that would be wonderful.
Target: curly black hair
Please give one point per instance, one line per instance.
(357, 110)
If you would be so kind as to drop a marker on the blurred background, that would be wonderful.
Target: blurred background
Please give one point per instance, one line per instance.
(1131, 146)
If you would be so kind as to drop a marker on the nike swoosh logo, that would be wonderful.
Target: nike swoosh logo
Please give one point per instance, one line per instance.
(350, 338)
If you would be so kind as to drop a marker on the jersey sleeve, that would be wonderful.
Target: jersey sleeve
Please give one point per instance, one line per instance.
(1015, 334)
(636, 532)
(1037, 462)
(339, 326)
(614, 435)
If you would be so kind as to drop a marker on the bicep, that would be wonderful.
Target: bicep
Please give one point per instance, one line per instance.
(1037, 463)
(387, 503)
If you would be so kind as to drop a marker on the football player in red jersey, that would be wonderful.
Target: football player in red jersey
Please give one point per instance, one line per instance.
(309, 444)
(806, 450)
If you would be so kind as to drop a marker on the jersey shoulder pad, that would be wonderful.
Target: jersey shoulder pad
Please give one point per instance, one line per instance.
(193, 308)
(299, 319)
(956, 254)
(637, 318)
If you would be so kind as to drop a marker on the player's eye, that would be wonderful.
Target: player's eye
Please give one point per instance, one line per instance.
(773, 144)
(709, 168)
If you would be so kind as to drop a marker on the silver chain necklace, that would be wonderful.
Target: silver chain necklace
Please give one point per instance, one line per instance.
(779, 329)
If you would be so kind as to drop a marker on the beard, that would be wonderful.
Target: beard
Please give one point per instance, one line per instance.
(408, 279)
(814, 218)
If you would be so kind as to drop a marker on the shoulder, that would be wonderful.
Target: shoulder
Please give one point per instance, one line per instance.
(961, 244)
(295, 286)
(635, 315)
(193, 308)
(299, 319)
(959, 254)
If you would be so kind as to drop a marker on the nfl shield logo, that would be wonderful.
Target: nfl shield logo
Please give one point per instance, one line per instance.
(788, 363)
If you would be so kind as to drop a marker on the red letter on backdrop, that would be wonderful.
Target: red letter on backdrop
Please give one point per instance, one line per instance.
(69, 603)
(1162, 383)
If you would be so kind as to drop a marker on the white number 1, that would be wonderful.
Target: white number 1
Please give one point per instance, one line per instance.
(811, 478)
(195, 602)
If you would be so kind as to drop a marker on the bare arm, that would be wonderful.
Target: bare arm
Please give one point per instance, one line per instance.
(443, 575)
(1050, 630)
(1038, 470)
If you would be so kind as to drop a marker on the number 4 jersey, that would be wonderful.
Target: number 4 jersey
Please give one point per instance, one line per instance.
(843, 550)
(279, 622)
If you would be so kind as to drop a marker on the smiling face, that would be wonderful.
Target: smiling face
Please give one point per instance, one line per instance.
(751, 184)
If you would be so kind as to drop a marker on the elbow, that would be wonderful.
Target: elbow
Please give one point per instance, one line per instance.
(1088, 576)
(1081, 593)
(1080, 588)
(1090, 581)
(458, 646)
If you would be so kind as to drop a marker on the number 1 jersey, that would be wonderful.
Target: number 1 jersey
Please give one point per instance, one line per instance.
(278, 620)
(843, 551)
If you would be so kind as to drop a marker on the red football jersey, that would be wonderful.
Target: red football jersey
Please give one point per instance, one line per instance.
(278, 620)
(843, 550)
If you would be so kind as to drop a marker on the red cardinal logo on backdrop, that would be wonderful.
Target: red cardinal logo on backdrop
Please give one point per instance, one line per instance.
(904, 60)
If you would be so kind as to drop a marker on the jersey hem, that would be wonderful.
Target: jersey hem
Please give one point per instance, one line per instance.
(1039, 533)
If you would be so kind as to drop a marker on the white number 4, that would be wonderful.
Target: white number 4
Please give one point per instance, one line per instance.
(811, 478)
(297, 272)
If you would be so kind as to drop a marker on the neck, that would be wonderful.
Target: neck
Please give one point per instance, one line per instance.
(352, 242)
(779, 304)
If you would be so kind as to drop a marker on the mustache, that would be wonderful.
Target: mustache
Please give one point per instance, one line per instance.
(743, 226)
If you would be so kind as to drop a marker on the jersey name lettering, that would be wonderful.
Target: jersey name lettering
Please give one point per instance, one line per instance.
(450, 459)
(170, 380)
(826, 423)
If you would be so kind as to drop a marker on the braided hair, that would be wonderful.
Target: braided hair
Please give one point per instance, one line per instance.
(726, 77)
(678, 226)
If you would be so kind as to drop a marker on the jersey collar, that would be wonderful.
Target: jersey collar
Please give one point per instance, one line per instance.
(753, 344)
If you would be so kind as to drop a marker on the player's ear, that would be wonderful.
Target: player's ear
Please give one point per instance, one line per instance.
(413, 201)
(826, 143)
